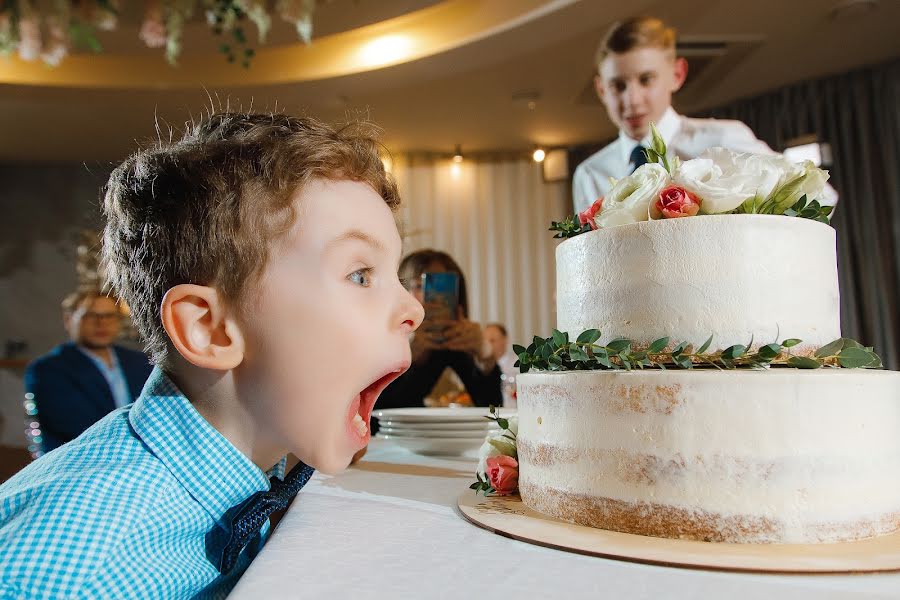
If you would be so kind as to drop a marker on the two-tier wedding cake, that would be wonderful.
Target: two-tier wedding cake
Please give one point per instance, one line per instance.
(697, 385)
(774, 455)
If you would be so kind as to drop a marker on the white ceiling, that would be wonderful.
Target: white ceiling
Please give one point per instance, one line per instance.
(467, 95)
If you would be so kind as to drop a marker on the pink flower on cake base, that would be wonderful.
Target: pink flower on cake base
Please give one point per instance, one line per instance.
(503, 474)
(675, 201)
(587, 215)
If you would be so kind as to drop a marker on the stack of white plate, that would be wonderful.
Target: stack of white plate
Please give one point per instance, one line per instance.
(437, 431)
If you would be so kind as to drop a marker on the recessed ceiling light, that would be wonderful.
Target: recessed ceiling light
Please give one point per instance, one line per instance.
(527, 98)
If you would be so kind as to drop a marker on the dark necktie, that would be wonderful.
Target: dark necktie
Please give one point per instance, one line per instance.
(637, 157)
(247, 522)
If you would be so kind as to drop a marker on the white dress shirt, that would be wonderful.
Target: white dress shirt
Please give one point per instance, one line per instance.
(687, 138)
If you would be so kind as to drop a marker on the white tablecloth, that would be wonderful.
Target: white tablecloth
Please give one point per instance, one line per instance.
(389, 528)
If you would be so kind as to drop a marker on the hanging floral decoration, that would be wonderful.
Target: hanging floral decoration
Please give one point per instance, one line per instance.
(48, 30)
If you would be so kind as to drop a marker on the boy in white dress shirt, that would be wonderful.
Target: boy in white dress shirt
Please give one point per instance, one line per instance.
(638, 72)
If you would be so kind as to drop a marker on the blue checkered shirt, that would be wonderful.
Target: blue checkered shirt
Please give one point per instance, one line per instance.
(135, 507)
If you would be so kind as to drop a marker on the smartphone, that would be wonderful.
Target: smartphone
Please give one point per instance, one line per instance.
(440, 293)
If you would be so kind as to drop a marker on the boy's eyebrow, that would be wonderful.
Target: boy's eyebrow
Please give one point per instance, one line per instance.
(356, 234)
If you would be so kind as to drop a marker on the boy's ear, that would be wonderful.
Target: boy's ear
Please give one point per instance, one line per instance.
(202, 330)
(680, 73)
(598, 86)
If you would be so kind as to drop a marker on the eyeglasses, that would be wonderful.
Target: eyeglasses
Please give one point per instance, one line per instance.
(95, 317)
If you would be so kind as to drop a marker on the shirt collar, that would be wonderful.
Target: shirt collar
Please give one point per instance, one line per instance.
(205, 463)
(667, 127)
(114, 358)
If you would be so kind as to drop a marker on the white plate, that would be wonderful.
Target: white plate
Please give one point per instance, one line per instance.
(473, 426)
(436, 447)
(438, 415)
(418, 433)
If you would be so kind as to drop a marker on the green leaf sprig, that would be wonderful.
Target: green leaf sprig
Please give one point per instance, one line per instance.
(802, 208)
(503, 424)
(558, 353)
(569, 227)
(482, 485)
(813, 210)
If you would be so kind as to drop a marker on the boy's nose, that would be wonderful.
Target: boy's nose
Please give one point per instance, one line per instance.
(411, 313)
(631, 97)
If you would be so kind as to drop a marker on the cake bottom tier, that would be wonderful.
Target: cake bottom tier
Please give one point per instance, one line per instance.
(775, 456)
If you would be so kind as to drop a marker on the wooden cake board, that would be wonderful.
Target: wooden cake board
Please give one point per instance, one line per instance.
(509, 517)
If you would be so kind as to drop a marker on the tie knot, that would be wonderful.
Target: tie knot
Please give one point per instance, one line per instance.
(638, 157)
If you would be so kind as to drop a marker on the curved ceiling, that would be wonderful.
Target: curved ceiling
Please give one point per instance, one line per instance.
(512, 74)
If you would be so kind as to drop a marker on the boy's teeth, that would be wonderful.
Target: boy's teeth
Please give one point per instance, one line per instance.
(360, 425)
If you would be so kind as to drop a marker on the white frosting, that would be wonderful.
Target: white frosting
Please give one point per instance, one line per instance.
(802, 448)
(734, 276)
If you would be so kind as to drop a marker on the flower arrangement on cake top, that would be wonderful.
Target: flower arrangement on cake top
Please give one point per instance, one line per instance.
(718, 182)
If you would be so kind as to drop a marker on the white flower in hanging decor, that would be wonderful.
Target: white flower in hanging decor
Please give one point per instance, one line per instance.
(47, 31)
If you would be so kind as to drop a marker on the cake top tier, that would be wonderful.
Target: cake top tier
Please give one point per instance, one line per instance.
(740, 277)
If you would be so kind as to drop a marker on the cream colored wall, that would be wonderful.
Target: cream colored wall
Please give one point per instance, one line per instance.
(492, 217)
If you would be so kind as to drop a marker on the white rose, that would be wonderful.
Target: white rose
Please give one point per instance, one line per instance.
(501, 446)
(723, 179)
(814, 184)
(630, 198)
(811, 184)
(486, 451)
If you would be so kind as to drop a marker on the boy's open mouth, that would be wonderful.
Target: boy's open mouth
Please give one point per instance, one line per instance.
(360, 410)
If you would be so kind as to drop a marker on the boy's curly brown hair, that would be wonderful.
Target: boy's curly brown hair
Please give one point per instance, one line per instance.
(207, 208)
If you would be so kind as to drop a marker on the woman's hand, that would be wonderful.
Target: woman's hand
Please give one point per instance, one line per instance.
(464, 336)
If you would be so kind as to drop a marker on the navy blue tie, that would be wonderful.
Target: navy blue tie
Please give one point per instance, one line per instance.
(247, 522)
(638, 157)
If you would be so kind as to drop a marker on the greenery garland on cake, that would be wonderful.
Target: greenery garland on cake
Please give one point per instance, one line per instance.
(717, 182)
(558, 353)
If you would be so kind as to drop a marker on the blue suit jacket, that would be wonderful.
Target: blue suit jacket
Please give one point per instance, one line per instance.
(71, 393)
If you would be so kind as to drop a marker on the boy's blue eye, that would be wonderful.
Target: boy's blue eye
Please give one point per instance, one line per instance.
(362, 277)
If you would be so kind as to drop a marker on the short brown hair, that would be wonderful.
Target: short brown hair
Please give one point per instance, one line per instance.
(76, 299)
(206, 209)
(636, 32)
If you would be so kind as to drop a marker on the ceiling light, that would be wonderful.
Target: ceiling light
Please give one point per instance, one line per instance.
(385, 50)
(527, 98)
(539, 155)
(457, 154)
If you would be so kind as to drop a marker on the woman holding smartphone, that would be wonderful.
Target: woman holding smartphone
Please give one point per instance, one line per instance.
(443, 340)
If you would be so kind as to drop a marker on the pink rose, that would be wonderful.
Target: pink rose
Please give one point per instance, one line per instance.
(676, 201)
(153, 29)
(503, 474)
(587, 215)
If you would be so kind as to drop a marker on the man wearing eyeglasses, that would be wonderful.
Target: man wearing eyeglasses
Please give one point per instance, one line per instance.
(79, 382)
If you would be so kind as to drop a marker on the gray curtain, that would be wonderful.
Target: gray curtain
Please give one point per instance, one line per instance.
(858, 113)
